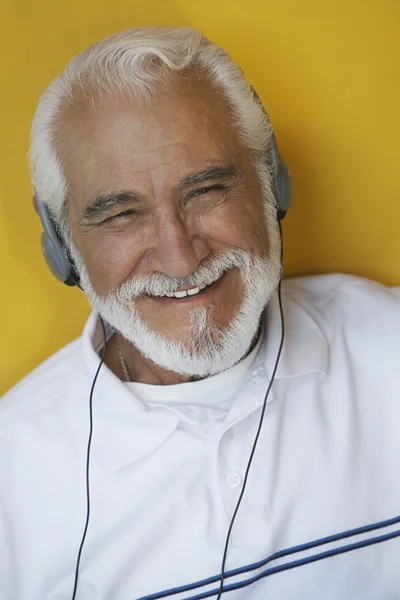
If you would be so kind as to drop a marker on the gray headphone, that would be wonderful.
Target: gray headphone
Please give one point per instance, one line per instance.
(55, 252)
(60, 262)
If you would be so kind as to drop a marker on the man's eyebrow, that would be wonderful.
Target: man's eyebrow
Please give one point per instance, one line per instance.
(102, 204)
(212, 173)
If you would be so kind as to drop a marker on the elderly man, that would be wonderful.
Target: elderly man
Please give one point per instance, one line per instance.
(183, 447)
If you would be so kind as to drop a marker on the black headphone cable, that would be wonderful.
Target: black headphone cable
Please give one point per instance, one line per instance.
(89, 445)
(253, 449)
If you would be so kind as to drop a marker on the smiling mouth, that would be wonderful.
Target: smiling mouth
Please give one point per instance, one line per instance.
(194, 292)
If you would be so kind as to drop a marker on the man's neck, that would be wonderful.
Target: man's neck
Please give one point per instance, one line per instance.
(141, 369)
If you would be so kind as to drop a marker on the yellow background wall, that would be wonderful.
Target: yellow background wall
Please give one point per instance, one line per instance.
(328, 73)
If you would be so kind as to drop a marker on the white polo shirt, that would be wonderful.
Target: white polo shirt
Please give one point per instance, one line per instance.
(165, 479)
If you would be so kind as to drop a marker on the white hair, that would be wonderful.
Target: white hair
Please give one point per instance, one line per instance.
(138, 61)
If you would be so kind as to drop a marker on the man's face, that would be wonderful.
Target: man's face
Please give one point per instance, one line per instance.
(162, 188)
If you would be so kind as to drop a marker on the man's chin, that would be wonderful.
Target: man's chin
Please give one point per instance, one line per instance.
(196, 344)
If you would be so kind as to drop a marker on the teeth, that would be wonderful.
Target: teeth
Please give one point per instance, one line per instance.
(193, 291)
(181, 294)
(184, 293)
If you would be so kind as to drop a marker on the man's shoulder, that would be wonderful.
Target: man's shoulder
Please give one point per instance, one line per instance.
(42, 386)
(354, 307)
(344, 292)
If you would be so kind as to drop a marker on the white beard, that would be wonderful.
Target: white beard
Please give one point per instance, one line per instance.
(207, 350)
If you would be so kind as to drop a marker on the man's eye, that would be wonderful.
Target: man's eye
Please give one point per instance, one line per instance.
(121, 215)
(204, 190)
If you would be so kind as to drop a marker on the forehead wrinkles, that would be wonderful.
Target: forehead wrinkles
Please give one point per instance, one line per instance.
(193, 111)
(114, 145)
(168, 165)
(176, 155)
(113, 148)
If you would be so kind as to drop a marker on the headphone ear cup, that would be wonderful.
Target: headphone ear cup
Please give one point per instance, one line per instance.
(54, 251)
(55, 258)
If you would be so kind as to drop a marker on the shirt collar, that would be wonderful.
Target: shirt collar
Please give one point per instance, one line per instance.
(116, 409)
(305, 349)
(140, 430)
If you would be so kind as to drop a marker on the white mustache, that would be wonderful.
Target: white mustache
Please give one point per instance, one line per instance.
(207, 273)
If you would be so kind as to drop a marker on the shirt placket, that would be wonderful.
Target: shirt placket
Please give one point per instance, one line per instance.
(235, 446)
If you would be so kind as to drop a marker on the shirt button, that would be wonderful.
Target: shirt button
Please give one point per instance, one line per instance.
(233, 480)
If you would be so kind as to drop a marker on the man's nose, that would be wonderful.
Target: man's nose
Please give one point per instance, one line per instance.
(178, 248)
